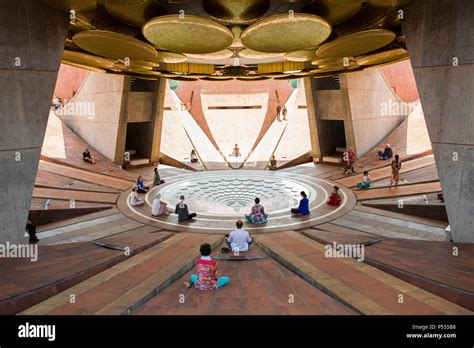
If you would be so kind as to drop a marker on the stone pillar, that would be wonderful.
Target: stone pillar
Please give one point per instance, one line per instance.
(156, 123)
(30, 52)
(440, 40)
(312, 119)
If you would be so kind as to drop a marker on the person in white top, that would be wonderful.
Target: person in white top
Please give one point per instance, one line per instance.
(239, 240)
(135, 200)
(159, 207)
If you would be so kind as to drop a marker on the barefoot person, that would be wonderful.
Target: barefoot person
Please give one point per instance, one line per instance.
(135, 200)
(365, 184)
(396, 166)
(159, 207)
(303, 207)
(141, 188)
(183, 212)
(335, 198)
(206, 268)
(239, 239)
(386, 153)
(257, 213)
(87, 157)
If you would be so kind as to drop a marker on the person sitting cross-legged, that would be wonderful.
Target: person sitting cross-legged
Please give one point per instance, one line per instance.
(183, 212)
(159, 207)
(207, 274)
(239, 239)
(141, 188)
(365, 184)
(157, 178)
(335, 197)
(303, 207)
(386, 153)
(135, 200)
(273, 163)
(87, 157)
(257, 214)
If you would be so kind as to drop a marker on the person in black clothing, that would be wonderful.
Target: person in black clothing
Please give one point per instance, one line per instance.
(87, 157)
(183, 212)
(386, 154)
(31, 230)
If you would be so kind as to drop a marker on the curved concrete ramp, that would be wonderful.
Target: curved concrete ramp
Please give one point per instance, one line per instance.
(235, 119)
(296, 140)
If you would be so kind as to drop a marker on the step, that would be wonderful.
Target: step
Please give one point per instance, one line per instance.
(332, 159)
(83, 175)
(139, 162)
(389, 214)
(341, 149)
(126, 286)
(329, 233)
(74, 195)
(389, 227)
(59, 267)
(401, 191)
(355, 284)
(386, 172)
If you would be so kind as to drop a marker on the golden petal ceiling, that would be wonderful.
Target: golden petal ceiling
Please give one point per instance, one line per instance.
(335, 13)
(187, 34)
(87, 59)
(286, 32)
(356, 44)
(330, 61)
(236, 11)
(224, 54)
(170, 57)
(68, 5)
(120, 2)
(114, 45)
(383, 57)
(301, 56)
(251, 54)
(137, 14)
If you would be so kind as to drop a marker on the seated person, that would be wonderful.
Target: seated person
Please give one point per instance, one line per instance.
(87, 157)
(159, 207)
(183, 212)
(257, 214)
(31, 230)
(239, 239)
(273, 163)
(303, 207)
(194, 158)
(157, 179)
(206, 268)
(236, 152)
(386, 153)
(141, 188)
(350, 158)
(135, 199)
(335, 197)
(365, 184)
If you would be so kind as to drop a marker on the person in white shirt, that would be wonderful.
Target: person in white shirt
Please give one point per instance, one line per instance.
(135, 200)
(239, 240)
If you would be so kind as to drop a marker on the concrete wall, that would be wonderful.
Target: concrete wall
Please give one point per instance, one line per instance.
(104, 127)
(30, 53)
(140, 106)
(69, 81)
(364, 102)
(440, 43)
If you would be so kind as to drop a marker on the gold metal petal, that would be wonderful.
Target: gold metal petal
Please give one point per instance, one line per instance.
(286, 32)
(87, 59)
(251, 54)
(334, 12)
(68, 5)
(224, 54)
(137, 14)
(383, 57)
(120, 2)
(187, 34)
(356, 44)
(301, 56)
(329, 61)
(114, 45)
(236, 11)
(170, 57)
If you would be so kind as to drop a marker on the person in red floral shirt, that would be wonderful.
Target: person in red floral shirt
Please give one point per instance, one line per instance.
(207, 275)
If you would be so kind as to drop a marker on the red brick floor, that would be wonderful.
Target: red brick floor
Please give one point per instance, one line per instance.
(257, 287)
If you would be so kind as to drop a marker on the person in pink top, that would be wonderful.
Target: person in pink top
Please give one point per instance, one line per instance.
(207, 275)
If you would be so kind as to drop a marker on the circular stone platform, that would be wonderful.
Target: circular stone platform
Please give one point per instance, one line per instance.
(221, 197)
